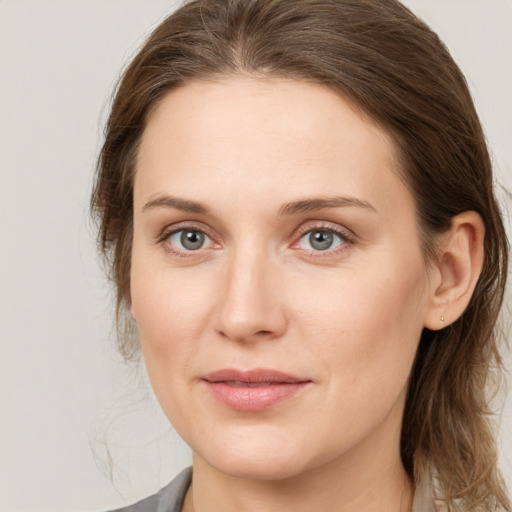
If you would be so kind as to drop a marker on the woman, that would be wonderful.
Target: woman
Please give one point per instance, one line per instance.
(295, 198)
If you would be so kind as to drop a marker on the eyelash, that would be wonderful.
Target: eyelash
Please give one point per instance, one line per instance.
(172, 230)
(347, 238)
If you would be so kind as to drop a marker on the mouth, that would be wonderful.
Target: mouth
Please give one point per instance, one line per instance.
(254, 390)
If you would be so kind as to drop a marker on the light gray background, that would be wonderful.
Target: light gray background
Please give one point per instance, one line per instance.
(64, 393)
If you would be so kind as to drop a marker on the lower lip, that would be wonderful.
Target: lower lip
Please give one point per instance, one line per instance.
(254, 398)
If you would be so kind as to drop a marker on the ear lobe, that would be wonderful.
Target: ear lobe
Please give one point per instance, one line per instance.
(458, 267)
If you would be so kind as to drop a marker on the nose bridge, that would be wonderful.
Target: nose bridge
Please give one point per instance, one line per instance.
(249, 307)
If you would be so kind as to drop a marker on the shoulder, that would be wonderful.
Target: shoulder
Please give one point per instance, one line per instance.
(168, 499)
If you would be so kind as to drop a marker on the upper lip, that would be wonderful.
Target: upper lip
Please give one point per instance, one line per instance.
(256, 375)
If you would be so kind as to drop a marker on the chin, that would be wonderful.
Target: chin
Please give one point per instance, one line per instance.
(265, 457)
(261, 468)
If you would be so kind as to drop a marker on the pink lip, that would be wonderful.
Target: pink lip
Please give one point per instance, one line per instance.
(253, 390)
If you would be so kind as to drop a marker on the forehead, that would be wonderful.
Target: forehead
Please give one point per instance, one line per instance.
(243, 135)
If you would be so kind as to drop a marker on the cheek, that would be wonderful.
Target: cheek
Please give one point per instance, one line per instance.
(366, 326)
(171, 308)
(365, 336)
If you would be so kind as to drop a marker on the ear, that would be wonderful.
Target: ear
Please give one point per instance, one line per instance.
(456, 271)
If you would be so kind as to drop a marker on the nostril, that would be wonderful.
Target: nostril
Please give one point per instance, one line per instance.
(247, 336)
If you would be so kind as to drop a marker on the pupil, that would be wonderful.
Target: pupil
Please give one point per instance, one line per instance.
(192, 240)
(321, 240)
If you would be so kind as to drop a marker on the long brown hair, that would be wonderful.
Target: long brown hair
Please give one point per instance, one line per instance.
(394, 68)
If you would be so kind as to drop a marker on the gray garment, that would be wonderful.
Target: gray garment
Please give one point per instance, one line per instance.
(425, 498)
(168, 499)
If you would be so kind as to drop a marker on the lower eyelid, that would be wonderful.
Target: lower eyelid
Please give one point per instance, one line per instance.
(345, 237)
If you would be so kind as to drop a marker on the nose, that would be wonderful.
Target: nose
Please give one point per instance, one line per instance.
(250, 307)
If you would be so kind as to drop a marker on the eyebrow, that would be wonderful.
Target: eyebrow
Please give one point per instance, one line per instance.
(292, 208)
(319, 203)
(177, 203)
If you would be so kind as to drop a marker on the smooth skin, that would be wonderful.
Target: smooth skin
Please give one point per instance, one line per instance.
(272, 230)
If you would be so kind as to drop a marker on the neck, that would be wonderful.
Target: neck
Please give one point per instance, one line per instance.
(371, 479)
(314, 492)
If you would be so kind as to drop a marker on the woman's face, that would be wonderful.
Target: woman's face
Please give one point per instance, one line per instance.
(277, 279)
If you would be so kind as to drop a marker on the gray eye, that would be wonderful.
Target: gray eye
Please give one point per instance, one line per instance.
(321, 240)
(192, 240)
(188, 239)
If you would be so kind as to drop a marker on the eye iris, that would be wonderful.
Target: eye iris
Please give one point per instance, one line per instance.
(192, 240)
(321, 240)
